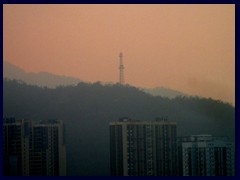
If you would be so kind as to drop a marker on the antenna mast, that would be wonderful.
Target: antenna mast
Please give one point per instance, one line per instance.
(121, 68)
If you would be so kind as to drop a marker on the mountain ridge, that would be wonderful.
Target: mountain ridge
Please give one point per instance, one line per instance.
(50, 80)
(164, 92)
(41, 79)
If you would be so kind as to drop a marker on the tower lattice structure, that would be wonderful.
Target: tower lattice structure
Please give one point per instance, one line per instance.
(121, 69)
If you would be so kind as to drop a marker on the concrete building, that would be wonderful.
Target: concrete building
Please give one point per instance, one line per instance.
(143, 148)
(205, 155)
(33, 148)
(13, 148)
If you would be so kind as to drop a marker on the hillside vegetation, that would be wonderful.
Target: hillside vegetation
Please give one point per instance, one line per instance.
(87, 110)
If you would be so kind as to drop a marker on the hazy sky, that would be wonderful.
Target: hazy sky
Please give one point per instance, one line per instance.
(190, 48)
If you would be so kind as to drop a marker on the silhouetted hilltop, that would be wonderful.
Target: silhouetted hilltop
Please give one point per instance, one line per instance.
(87, 110)
(164, 92)
(11, 71)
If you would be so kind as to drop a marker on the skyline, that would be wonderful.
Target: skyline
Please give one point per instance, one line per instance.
(190, 48)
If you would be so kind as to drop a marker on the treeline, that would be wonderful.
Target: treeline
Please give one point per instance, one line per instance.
(88, 108)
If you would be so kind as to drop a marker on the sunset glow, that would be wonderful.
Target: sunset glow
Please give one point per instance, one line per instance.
(190, 48)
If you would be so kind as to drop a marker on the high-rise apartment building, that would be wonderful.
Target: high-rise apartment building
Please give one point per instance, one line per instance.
(143, 148)
(13, 148)
(205, 155)
(33, 148)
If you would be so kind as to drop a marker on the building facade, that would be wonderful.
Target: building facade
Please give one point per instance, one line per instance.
(143, 148)
(205, 155)
(33, 148)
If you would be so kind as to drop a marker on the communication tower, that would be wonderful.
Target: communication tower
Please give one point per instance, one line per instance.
(121, 68)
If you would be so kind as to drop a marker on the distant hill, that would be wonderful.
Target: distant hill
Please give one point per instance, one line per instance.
(164, 92)
(42, 79)
(87, 109)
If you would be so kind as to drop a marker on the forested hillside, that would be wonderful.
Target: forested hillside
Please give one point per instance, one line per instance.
(87, 110)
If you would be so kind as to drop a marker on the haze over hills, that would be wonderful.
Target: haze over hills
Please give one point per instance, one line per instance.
(164, 92)
(50, 80)
(42, 79)
(87, 109)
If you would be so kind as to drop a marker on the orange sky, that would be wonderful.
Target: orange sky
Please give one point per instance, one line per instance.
(190, 48)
